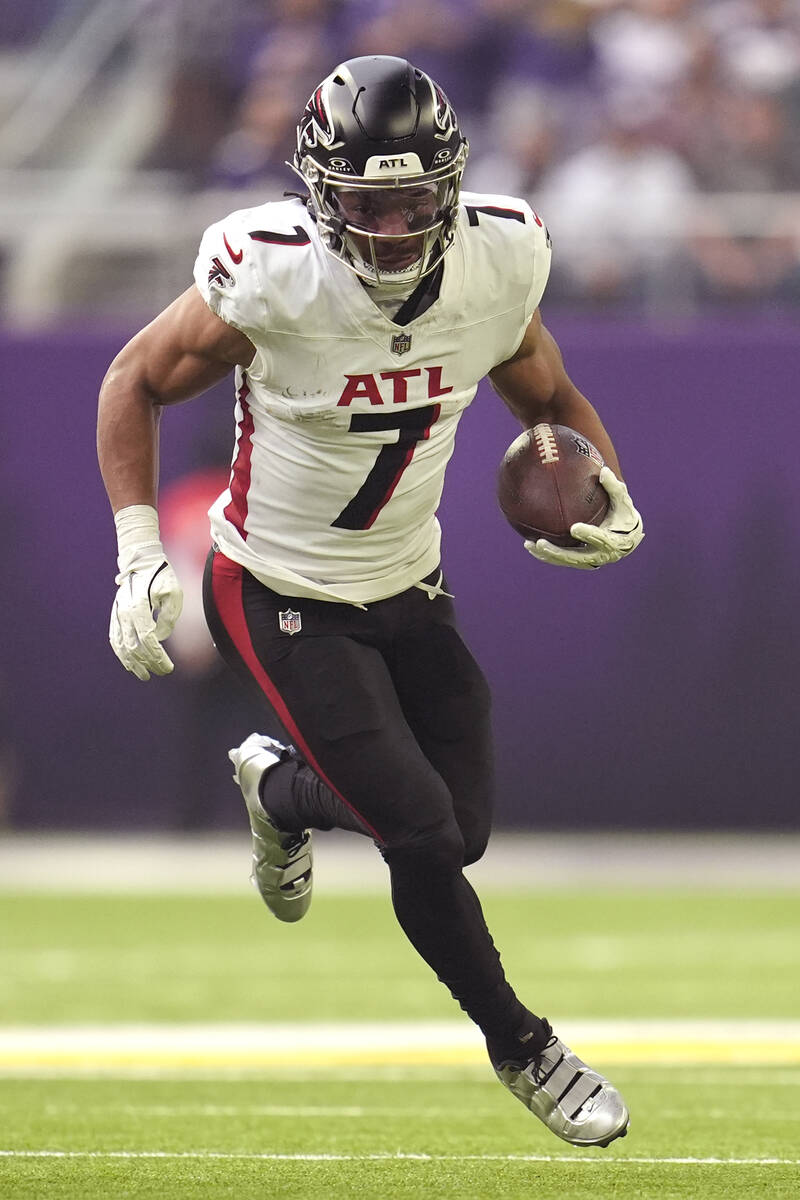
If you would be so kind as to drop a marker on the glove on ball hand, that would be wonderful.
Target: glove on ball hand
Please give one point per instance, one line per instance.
(616, 536)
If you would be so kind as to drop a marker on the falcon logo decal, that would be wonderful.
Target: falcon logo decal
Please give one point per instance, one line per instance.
(443, 115)
(219, 273)
(316, 124)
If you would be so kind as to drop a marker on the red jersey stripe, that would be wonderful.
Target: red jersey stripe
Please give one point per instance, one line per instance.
(236, 510)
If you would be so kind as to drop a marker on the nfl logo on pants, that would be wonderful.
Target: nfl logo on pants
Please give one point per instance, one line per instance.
(289, 621)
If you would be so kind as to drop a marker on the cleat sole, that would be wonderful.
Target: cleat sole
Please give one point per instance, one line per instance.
(622, 1133)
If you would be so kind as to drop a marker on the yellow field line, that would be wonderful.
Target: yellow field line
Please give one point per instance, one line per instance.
(654, 1053)
(189, 1047)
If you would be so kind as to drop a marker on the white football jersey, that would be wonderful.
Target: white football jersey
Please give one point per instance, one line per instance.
(345, 420)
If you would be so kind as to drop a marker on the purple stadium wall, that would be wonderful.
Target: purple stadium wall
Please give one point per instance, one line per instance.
(656, 693)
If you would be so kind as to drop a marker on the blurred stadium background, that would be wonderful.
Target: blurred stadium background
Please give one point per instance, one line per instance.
(661, 141)
(643, 715)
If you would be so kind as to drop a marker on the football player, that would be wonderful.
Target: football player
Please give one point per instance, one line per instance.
(359, 318)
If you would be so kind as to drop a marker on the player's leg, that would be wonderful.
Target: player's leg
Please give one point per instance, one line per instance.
(339, 702)
(446, 701)
(335, 697)
(282, 847)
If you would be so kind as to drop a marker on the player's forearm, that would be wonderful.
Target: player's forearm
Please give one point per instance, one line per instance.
(570, 407)
(534, 400)
(127, 442)
(535, 386)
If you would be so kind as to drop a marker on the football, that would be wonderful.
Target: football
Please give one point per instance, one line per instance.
(548, 480)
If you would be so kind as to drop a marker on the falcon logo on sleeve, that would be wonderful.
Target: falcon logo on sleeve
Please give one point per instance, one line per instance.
(219, 273)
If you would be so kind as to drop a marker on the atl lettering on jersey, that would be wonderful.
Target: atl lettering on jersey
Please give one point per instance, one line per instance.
(366, 387)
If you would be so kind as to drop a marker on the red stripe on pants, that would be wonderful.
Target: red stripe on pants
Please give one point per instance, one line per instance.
(226, 583)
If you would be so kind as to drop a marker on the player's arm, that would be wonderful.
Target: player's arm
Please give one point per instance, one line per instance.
(183, 352)
(535, 386)
(180, 354)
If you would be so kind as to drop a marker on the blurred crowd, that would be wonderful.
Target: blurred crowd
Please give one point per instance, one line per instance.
(619, 119)
(660, 140)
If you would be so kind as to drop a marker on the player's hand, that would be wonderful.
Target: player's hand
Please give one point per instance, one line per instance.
(616, 536)
(148, 603)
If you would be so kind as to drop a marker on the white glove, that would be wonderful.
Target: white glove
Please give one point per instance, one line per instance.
(617, 535)
(149, 598)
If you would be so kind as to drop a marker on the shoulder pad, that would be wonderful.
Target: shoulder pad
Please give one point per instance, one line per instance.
(230, 270)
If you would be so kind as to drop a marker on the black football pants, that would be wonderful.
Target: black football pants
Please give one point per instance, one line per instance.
(390, 712)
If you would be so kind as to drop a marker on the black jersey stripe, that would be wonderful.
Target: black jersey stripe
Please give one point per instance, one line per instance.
(511, 214)
(298, 238)
(423, 296)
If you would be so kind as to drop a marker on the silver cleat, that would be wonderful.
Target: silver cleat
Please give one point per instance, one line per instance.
(574, 1102)
(282, 862)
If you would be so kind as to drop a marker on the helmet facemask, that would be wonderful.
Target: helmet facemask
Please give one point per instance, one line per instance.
(372, 225)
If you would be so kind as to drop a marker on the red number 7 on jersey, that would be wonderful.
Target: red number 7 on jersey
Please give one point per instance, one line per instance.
(376, 490)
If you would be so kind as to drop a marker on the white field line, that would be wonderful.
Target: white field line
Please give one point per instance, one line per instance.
(708, 1074)
(349, 1112)
(451, 1043)
(398, 1156)
(310, 1111)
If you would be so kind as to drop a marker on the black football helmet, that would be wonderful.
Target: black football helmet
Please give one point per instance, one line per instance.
(381, 153)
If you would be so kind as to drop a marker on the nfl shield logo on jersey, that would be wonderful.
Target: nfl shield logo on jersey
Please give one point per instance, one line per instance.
(401, 343)
(290, 622)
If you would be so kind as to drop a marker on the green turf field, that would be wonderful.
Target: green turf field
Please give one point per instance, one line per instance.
(401, 1127)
